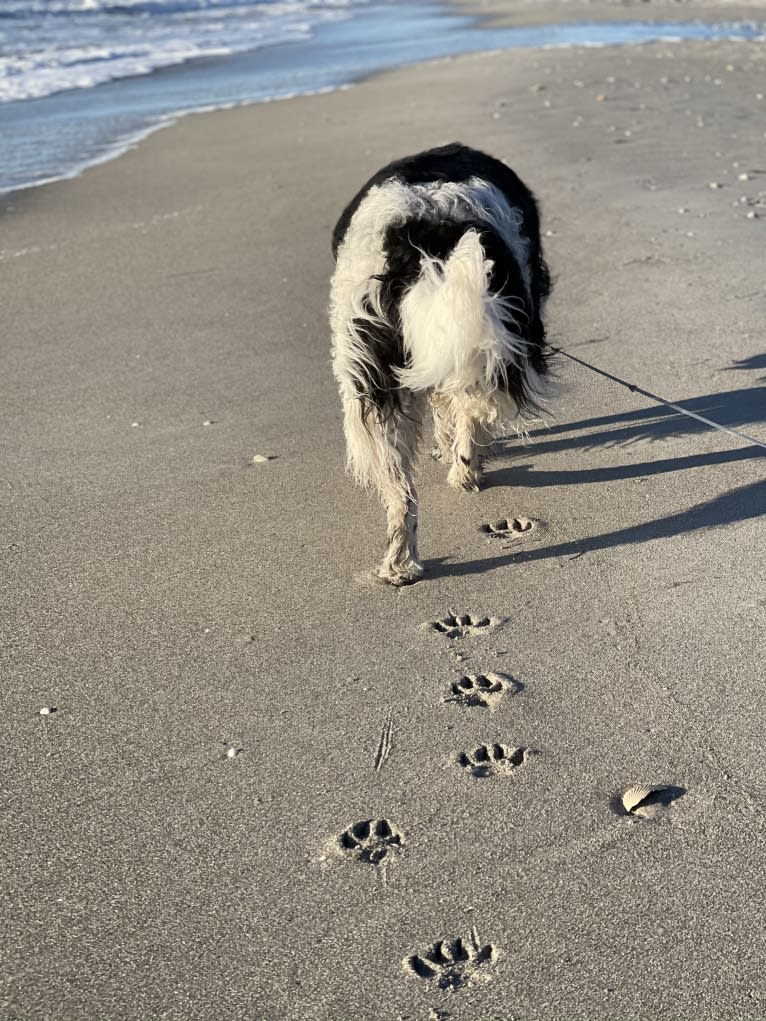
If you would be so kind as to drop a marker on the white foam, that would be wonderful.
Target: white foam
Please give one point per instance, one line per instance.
(48, 47)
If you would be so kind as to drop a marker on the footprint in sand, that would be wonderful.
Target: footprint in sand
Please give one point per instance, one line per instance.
(459, 625)
(509, 528)
(485, 690)
(370, 840)
(453, 964)
(493, 760)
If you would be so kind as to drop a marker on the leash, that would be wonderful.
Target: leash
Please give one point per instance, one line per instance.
(661, 400)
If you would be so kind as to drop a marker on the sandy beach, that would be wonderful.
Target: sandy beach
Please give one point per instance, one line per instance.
(542, 12)
(234, 696)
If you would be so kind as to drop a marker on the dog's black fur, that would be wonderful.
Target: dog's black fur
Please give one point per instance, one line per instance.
(404, 244)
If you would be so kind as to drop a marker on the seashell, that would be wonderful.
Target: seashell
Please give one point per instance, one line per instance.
(262, 458)
(635, 796)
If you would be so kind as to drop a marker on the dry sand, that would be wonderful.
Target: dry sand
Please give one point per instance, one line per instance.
(233, 690)
(541, 12)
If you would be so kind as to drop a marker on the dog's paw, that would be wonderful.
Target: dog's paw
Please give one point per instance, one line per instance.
(464, 477)
(443, 456)
(400, 574)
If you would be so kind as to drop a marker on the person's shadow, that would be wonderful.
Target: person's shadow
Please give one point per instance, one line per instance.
(753, 362)
(737, 409)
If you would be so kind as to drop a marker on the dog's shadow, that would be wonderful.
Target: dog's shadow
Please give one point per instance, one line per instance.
(736, 409)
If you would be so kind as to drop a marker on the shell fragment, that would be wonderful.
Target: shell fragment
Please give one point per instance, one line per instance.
(634, 797)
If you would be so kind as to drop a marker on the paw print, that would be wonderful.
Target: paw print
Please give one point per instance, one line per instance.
(370, 840)
(493, 760)
(484, 690)
(452, 965)
(508, 528)
(458, 625)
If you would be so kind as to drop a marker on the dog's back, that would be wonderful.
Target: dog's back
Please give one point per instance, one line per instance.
(439, 287)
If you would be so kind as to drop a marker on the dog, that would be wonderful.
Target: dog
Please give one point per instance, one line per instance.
(437, 297)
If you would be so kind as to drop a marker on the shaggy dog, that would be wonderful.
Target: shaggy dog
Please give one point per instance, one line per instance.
(437, 297)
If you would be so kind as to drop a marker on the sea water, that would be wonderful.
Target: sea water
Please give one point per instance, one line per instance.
(80, 80)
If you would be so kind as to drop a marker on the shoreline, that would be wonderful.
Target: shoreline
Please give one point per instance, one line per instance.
(484, 28)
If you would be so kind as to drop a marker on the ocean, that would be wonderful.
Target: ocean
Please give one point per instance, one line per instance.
(81, 80)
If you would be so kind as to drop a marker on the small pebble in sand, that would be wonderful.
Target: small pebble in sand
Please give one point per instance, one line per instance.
(135, 425)
(233, 752)
(48, 710)
(715, 184)
(683, 209)
(262, 458)
(208, 421)
(751, 214)
(743, 177)
(601, 98)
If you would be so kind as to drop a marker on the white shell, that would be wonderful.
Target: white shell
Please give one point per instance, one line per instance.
(261, 458)
(47, 710)
(634, 796)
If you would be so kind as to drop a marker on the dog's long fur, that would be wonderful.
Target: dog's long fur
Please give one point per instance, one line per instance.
(438, 289)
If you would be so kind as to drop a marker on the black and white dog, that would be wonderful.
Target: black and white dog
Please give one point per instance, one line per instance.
(438, 289)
